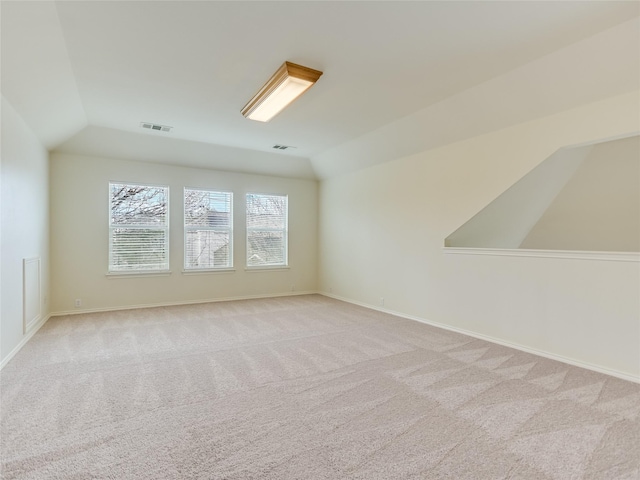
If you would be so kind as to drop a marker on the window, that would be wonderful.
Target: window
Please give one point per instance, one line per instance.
(138, 228)
(208, 229)
(266, 230)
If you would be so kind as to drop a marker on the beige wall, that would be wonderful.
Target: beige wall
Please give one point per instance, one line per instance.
(382, 231)
(25, 223)
(79, 236)
(599, 208)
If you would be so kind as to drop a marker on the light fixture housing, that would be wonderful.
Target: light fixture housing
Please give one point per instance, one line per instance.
(288, 83)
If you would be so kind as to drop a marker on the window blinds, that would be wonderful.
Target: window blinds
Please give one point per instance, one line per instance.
(208, 229)
(266, 229)
(138, 227)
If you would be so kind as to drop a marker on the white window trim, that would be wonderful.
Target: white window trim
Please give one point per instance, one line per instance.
(141, 272)
(566, 254)
(208, 271)
(268, 266)
(138, 273)
(196, 270)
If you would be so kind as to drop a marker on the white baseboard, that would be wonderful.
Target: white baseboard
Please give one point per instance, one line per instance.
(480, 336)
(30, 333)
(78, 311)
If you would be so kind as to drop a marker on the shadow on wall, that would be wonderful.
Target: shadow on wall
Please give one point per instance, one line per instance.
(584, 198)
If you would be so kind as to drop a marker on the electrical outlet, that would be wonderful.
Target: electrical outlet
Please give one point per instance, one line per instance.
(330, 289)
(293, 288)
(78, 302)
(382, 301)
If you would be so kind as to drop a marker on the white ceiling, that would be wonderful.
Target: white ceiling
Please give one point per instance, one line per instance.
(84, 74)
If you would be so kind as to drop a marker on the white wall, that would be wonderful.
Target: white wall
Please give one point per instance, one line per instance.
(599, 208)
(79, 236)
(25, 223)
(382, 231)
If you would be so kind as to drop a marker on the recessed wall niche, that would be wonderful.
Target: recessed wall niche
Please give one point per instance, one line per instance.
(584, 198)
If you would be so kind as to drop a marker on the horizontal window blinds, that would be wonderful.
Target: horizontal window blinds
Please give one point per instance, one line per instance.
(138, 227)
(266, 230)
(208, 229)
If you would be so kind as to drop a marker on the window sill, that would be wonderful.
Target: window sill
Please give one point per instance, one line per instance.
(159, 273)
(266, 268)
(208, 271)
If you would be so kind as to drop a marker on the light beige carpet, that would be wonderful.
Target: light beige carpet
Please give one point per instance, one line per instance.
(302, 388)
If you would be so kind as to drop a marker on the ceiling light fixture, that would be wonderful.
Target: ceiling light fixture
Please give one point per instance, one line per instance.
(288, 83)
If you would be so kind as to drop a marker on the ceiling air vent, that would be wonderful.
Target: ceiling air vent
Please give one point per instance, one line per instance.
(155, 126)
(282, 147)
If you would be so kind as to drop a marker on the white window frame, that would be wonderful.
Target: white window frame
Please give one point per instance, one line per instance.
(190, 228)
(284, 230)
(164, 268)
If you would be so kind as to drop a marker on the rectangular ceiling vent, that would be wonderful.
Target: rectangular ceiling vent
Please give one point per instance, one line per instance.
(155, 126)
(282, 147)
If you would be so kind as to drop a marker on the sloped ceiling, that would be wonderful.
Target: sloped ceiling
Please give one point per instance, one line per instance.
(84, 75)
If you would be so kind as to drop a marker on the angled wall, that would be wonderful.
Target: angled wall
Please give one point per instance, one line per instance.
(508, 219)
(599, 208)
(583, 198)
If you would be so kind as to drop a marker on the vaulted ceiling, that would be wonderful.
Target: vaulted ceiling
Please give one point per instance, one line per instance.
(85, 74)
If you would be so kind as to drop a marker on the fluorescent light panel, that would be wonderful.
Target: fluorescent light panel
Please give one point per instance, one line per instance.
(287, 84)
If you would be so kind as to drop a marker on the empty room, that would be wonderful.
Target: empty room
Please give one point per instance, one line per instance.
(320, 240)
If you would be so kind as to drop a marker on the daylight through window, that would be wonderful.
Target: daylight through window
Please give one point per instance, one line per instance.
(138, 228)
(208, 229)
(266, 230)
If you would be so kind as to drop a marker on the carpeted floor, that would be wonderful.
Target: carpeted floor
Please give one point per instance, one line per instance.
(302, 388)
